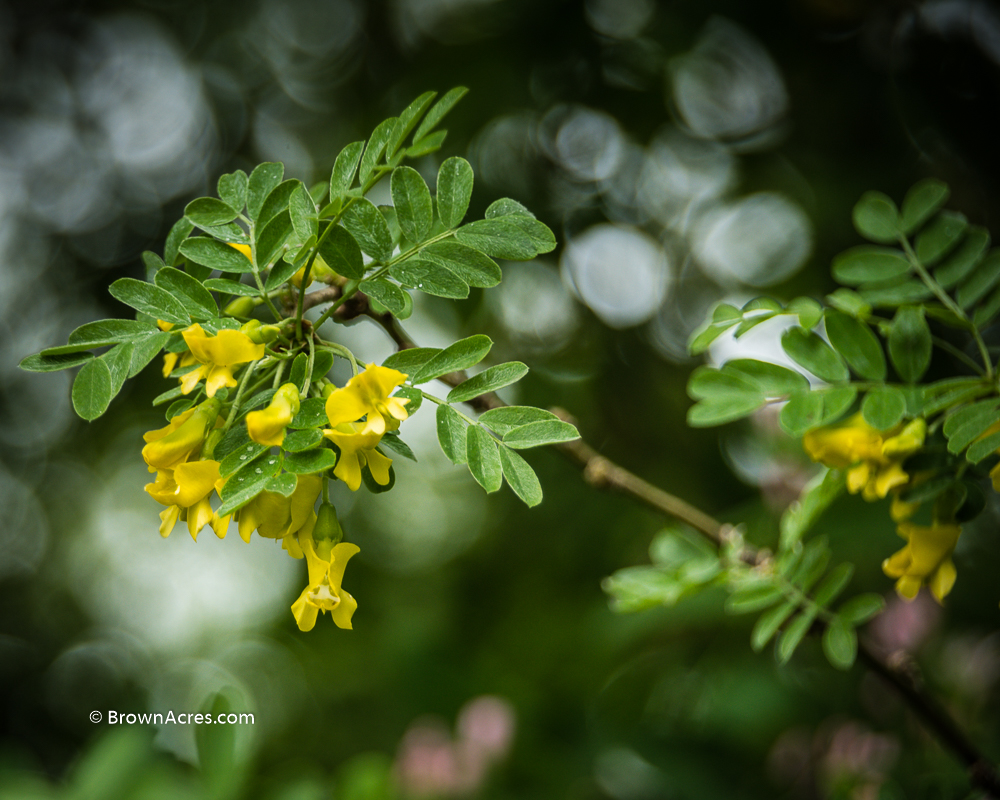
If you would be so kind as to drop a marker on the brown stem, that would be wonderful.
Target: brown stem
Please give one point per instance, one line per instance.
(602, 473)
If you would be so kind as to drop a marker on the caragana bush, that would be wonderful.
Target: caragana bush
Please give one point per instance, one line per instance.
(928, 283)
(254, 419)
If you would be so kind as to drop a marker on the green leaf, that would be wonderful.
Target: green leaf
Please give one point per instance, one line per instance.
(910, 343)
(388, 294)
(454, 191)
(231, 287)
(520, 477)
(768, 623)
(303, 213)
(310, 462)
(484, 460)
(924, 199)
(505, 207)
(427, 145)
(150, 299)
(753, 599)
(707, 383)
(984, 277)
(515, 238)
(488, 380)
(812, 409)
(262, 181)
(411, 360)
(397, 445)
(461, 355)
(815, 499)
(536, 434)
(248, 481)
(979, 450)
(792, 636)
(967, 424)
(850, 302)
(376, 146)
(92, 389)
(940, 237)
(232, 189)
(144, 350)
(833, 584)
(167, 396)
(883, 408)
(876, 218)
(369, 229)
(118, 360)
(103, 332)
(412, 201)
(430, 278)
(911, 291)
(720, 409)
(153, 264)
(413, 395)
(209, 211)
(271, 239)
(808, 350)
(177, 407)
(215, 255)
(239, 456)
(861, 608)
(451, 432)
(283, 484)
(438, 112)
(197, 300)
(42, 363)
(771, 379)
(344, 168)
(342, 254)
(178, 233)
(868, 263)
(280, 272)
(277, 201)
(964, 259)
(312, 414)
(503, 420)
(854, 340)
(840, 644)
(297, 373)
(407, 121)
(470, 265)
(297, 441)
(809, 311)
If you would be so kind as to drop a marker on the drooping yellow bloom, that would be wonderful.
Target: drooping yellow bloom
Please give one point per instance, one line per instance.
(186, 491)
(874, 457)
(926, 559)
(268, 426)
(175, 443)
(368, 394)
(326, 562)
(357, 448)
(275, 516)
(217, 355)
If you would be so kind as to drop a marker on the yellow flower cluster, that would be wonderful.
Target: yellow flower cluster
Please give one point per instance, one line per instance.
(184, 482)
(873, 458)
(365, 395)
(926, 559)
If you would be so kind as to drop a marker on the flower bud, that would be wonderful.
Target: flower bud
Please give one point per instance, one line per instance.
(208, 450)
(328, 528)
(268, 426)
(260, 334)
(240, 307)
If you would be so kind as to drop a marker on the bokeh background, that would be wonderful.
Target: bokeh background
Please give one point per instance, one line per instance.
(683, 153)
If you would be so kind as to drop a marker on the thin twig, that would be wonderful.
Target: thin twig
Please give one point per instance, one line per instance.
(602, 473)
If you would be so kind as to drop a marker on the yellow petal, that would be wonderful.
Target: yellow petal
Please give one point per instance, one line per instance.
(943, 580)
(168, 518)
(198, 516)
(195, 481)
(221, 525)
(344, 611)
(379, 466)
(305, 613)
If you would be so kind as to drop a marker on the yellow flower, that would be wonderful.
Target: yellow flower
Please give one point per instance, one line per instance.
(357, 448)
(926, 559)
(268, 426)
(874, 458)
(326, 562)
(185, 491)
(217, 356)
(368, 393)
(275, 516)
(175, 443)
